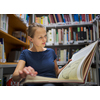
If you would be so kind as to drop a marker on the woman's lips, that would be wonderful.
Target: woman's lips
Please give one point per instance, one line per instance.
(43, 43)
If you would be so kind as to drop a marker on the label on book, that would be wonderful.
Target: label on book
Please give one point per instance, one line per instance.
(78, 29)
(84, 29)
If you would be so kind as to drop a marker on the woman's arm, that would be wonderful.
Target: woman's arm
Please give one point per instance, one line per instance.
(19, 67)
(21, 71)
(57, 70)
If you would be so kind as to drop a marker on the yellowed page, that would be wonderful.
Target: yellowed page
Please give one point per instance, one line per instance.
(70, 72)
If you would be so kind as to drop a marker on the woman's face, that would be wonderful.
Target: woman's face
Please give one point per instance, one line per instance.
(40, 37)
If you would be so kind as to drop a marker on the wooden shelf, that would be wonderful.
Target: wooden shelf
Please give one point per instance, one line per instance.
(11, 39)
(16, 23)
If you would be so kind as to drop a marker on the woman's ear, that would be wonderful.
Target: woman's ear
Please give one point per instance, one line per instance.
(30, 39)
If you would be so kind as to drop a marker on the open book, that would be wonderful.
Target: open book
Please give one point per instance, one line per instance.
(74, 72)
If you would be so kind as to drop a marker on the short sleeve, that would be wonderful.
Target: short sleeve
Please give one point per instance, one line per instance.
(55, 56)
(22, 56)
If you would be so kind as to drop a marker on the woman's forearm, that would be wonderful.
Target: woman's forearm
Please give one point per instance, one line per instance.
(16, 77)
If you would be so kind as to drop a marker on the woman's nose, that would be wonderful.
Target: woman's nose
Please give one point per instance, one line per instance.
(44, 39)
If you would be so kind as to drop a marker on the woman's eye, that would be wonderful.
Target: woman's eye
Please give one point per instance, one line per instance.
(40, 37)
(45, 35)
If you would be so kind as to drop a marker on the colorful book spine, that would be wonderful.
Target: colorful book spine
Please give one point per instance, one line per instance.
(59, 35)
(82, 34)
(90, 17)
(52, 18)
(87, 32)
(85, 38)
(57, 17)
(74, 36)
(78, 31)
(3, 50)
(63, 18)
(80, 18)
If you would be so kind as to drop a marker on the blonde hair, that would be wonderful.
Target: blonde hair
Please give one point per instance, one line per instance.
(32, 28)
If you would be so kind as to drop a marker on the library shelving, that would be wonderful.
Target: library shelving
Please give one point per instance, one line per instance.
(52, 22)
(15, 23)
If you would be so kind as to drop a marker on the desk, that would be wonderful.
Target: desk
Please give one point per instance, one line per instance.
(6, 68)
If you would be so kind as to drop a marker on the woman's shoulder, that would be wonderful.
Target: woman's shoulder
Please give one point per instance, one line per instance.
(25, 50)
(50, 49)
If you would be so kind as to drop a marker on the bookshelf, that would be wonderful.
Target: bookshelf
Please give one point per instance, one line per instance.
(96, 25)
(88, 22)
(15, 23)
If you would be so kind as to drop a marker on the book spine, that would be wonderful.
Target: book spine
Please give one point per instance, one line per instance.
(68, 18)
(71, 19)
(50, 37)
(90, 17)
(87, 32)
(80, 18)
(46, 20)
(64, 55)
(63, 18)
(42, 20)
(59, 35)
(85, 38)
(1, 51)
(52, 18)
(65, 37)
(69, 35)
(82, 34)
(78, 31)
(74, 36)
(62, 34)
(57, 17)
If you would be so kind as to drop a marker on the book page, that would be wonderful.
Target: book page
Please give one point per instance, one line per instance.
(70, 72)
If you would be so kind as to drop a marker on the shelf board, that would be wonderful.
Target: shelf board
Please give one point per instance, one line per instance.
(68, 45)
(8, 64)
(11, 39)
(67, 25)
(16, 22)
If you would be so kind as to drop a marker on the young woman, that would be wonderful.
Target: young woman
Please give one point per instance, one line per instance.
(38, 59)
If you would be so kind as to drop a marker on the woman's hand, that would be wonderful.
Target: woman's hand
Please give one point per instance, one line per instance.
(69, 60)
(27, 71)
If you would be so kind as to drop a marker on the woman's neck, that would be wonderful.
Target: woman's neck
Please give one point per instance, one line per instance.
(37, 49)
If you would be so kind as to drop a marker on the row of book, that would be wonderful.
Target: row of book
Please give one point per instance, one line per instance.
(65, 18)
(2, 51)
(14, 54)
(68, 35)
(4, 22)
(63, 55)
(24, 18)
(19, 35)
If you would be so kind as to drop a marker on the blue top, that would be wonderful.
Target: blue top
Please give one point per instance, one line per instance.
(42, 62)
